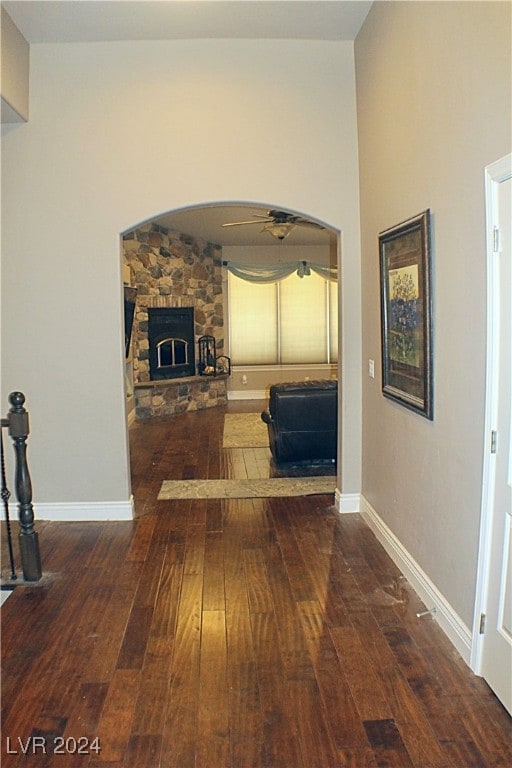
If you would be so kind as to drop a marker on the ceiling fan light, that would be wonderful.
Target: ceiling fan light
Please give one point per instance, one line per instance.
(278, 230)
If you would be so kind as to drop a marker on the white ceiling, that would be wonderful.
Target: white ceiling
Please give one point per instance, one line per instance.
(61, 21)
(206, 223)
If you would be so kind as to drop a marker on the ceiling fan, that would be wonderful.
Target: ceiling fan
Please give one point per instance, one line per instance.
(279, 224)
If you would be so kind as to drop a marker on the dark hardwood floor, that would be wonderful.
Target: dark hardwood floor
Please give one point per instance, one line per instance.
(240, 633)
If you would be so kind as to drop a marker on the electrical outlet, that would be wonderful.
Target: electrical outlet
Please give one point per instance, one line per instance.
(244, 379)
(371, 369)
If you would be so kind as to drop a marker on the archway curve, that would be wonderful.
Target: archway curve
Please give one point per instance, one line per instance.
(205, 220)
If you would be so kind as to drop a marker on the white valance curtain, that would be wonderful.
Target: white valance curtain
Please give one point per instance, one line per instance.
(271, 273)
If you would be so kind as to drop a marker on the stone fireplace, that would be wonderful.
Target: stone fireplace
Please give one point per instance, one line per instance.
(174, 274)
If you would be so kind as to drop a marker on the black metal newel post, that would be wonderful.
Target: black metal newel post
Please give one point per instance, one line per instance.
(28, 538)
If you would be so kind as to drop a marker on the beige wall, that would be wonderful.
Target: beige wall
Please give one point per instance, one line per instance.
(118, 134)
(433, 93)
(15, 65)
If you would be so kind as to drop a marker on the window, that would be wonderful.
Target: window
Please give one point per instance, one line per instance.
(294, 320)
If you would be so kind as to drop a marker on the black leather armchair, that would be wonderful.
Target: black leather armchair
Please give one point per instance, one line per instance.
(302, 420)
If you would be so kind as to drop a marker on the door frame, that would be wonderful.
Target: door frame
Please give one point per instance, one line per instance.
(494, 174)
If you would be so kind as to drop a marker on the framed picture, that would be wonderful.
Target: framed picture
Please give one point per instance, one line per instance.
(406, 308)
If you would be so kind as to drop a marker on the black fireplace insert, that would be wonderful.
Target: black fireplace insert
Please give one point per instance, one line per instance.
(171, 342)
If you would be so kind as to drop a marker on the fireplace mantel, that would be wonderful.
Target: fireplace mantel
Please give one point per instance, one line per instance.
(182, 380)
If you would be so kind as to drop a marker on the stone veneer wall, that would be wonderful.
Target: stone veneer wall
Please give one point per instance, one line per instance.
(171, 269)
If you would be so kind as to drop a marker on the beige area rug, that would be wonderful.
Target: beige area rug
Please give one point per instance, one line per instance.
(244, 430)
(246, 489)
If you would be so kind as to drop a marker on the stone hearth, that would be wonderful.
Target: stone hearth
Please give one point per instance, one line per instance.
(173, 396)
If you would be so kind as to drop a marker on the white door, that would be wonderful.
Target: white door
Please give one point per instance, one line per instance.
(496, 605)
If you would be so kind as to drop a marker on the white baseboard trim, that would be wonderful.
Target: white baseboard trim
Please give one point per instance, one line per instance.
(248, 394)
(347, 503)
(78, 512)
(449, 621)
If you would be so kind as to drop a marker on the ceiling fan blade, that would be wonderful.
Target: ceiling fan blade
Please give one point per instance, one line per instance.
(306, 223)
(237, 223)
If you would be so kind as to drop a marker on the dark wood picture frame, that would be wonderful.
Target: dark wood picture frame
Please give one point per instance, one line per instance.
(406, 314)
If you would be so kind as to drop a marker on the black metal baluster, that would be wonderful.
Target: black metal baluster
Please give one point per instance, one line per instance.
(28, 538)
(6, 495)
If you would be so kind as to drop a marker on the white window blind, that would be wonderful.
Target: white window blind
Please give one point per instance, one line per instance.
(252, 322)
(303, 306)
(294, 320)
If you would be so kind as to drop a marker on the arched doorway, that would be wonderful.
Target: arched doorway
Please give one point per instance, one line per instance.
(193, 239)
